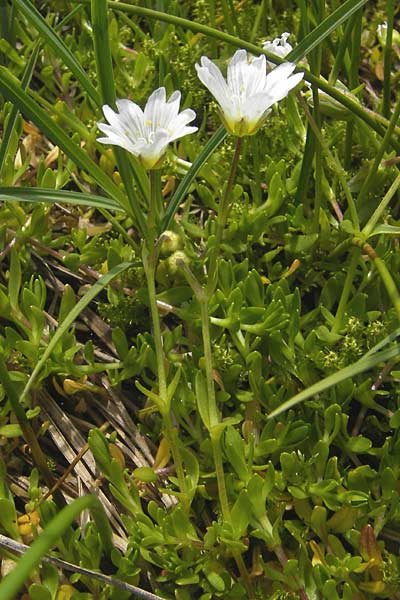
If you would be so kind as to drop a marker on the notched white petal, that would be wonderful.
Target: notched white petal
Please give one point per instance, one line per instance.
(248, 92)
(175, 97)
(280, 72)
(146, 134)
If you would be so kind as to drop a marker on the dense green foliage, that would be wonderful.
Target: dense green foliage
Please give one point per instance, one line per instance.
(290, 487)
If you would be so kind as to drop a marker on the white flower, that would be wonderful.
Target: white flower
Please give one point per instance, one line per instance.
(146, 134)
(279, 47)
(382, 30)
(249, 92)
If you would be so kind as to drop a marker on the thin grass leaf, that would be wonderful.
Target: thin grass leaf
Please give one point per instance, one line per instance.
(384, 147)
(51, 38)
(391, 337)
(364, 364)
(25, 81)
(4, 21)
(38, 456)
(387, 60)
(186, 182)
(105, 75)
(317, 35)
(94, 290)
(385, 230)
(18, 548)
(13, 582)
(61, 196)
(353, 76)
(370, 228)
(306, 166)
(340, 51)
(11, 90)
(12, 118)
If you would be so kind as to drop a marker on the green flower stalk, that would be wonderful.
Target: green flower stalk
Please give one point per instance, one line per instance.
(146, 134)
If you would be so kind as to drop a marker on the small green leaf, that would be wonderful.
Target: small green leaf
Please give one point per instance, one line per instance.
(297, 244)
(358, 444)
(8, 517)
(388, 483)
(192, 468)
(174, 384)
(385, 230)
(39, 592)
(216, 581)
(10, 431)
(275, 195)
(329, 590)
(202, 399)
(145, 474)
(235, 451)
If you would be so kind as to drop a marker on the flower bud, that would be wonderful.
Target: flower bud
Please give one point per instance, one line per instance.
(170, 242)
(171, 268)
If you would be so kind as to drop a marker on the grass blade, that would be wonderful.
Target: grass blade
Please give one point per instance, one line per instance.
(340, 51)
(18, 548)
(12, 119)
(51, 38)
(384, 147)
(11, 90)
(25, 81)
(12, 583)
(184, 185)
(4, 29)
(62, 196)
(38, 456)
(317, 35)
(362, 365)
(94, 290)
(388, 60)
